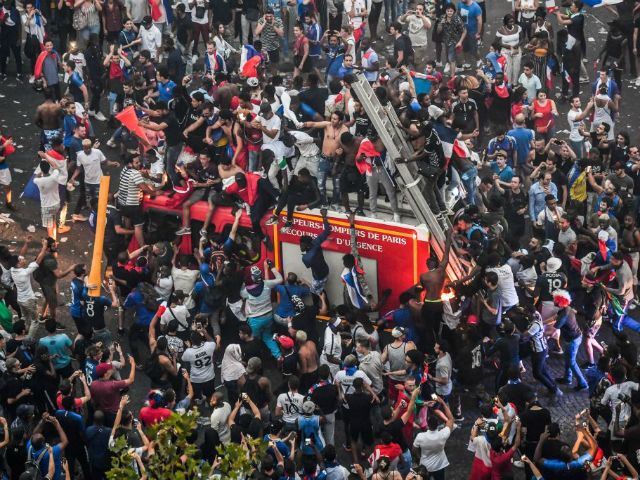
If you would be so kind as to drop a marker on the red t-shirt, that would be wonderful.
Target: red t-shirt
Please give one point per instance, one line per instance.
(500, 463)
(105, 394)
(77, 401)
(150, 416)
(248, 194)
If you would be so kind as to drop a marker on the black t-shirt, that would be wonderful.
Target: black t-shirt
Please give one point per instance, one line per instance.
(231, 286)
(183, 26)
(13, 345)
(536, 422)
(513, 203)
(173, 133)
(576, 28)
(359, 409)
(254, 430)
(121, 273)
(16, 458)
(549, 282)
(552, 449)
(402, 45)
(560, 179)
(204, 174)
(469, 364)
(94, 308)
(165, 257)
(517, 394)
(315, 98)
(395, 430)
(111, 238)
(306, 321)
(290, 364)
(125, 100)
(48, 265)
(465, 112)
(251, 349)
(364, 127)
(326, 397)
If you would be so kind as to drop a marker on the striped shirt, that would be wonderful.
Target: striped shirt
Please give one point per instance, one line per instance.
(129, 193)
(536, 330)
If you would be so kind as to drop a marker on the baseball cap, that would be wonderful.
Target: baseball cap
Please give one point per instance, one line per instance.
(253, 364)
(308, 407)
(103, 368)
(398, 332)
(252, 81)
(269, 11)
(23, 409)
(286, 342)
(501, 153)
(147, 20)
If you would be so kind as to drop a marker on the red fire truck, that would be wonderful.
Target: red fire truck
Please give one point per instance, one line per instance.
(393, 254)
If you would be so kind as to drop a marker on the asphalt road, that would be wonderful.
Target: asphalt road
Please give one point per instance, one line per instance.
(17, 106)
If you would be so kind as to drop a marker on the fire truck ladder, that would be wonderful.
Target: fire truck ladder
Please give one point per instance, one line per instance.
(387, 124)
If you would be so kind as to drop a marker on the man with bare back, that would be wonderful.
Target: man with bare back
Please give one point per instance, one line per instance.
(351, 180)
(433, 283)
(307, 361)
(49, 117)
(333, 129)
(630, 245)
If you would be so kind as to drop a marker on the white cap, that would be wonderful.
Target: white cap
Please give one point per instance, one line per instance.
(553, 264)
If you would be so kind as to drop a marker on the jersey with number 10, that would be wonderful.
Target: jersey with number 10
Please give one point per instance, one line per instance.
(201, 360)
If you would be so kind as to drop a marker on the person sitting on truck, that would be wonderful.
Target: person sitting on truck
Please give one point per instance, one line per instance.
(313, 258)
(301, 194)
(259, 195)
(208, 182)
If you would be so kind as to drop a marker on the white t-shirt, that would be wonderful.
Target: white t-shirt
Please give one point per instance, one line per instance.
(164, 286)
(151, 40)
(431, 444)
(220, 422)
(201, 360)
(91, 164)
(506, 284)
(22, 278)
(360, 6)
(205, 17)
(274, 123)
(444, 368)
(157, 169)
(346, 382)
(48, 186)
(418, 33)
(78, 59)
(180, 313)
(574, 124)
(291, 405)
(612, 397)
(332, 347)
(531, 84)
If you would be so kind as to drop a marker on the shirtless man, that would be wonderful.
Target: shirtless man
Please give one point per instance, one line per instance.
(351, 180)
(307, 361)
(49, 117)
(433, 283)
(231, 129)
(167, 358)
(333, 130)
(630, 245)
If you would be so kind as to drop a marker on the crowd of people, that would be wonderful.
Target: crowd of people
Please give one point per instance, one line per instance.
(543, 224)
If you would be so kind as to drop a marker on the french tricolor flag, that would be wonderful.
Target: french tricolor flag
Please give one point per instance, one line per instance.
(249, 60)
(601, 3)
(450, 143)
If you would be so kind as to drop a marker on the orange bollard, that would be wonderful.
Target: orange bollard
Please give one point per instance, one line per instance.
(95, 276)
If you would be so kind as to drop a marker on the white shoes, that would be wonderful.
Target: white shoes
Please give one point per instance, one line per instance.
(638, 82)
(98, 116)
(447, 68)
(466, 66)
(111, 143)
(396, 218)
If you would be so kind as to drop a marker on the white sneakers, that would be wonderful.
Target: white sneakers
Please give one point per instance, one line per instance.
(98, 116)
(638, 82)
(111, 143)
(447, 68)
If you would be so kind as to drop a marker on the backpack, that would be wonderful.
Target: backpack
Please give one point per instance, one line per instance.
(152, 367)
(211, 296)
(32, 465)
(149, 297)
(408, 46)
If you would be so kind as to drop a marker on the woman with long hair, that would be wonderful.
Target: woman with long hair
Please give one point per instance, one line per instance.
(510, 37)
(301, 61)
(520, 104)
(544, 112)
(223, 47)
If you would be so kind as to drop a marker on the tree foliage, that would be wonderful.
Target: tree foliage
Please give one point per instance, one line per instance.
(174, 456)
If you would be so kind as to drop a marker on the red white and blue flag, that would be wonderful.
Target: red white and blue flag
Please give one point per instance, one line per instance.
(450, 142)
(422, 82)
(249, 60)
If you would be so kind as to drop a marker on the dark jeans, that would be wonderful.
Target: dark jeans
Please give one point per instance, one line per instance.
(138, 333)
(82, 197)
(232, 391)
(540, 372)
(55, 91)
(570, 364)
(78, 453)
(432, 195)
(292, 200)
(266, 197)
(65, 33)
(5, 52)
(96, 92)
(438, 474)
(11, 300)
